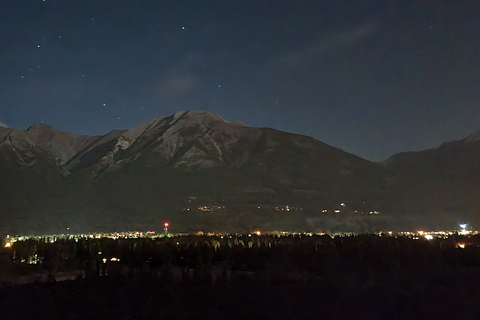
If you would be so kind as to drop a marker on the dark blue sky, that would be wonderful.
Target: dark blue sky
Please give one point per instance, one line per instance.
(370, 77)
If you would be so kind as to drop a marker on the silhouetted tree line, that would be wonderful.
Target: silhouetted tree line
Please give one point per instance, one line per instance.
(239, 276)
(264, 257)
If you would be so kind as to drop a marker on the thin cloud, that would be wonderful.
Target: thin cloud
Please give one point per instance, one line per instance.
(331, 43)
(176, 84)
(179, 79)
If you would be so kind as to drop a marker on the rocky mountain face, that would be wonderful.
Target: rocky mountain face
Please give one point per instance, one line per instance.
(201, 172)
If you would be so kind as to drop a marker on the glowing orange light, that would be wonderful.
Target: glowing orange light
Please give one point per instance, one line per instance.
(166, 224)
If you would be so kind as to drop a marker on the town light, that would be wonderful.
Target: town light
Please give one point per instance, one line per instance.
(464, 228)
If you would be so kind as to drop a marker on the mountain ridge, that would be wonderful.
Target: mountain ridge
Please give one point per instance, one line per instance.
(137, 177)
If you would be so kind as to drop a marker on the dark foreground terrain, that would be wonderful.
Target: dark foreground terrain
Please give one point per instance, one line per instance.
(240, 277)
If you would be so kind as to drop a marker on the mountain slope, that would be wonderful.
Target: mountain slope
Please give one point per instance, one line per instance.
(202, 172)
(439, 184)
(168, 166)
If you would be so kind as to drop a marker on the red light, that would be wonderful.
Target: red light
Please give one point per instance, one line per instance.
(166, 224)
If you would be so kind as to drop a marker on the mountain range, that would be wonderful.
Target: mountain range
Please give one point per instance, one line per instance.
(201, 172)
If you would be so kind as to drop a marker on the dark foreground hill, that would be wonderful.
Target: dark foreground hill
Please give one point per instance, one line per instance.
(201, 172)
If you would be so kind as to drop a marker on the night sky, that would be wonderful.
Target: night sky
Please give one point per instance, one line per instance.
(373, 78)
